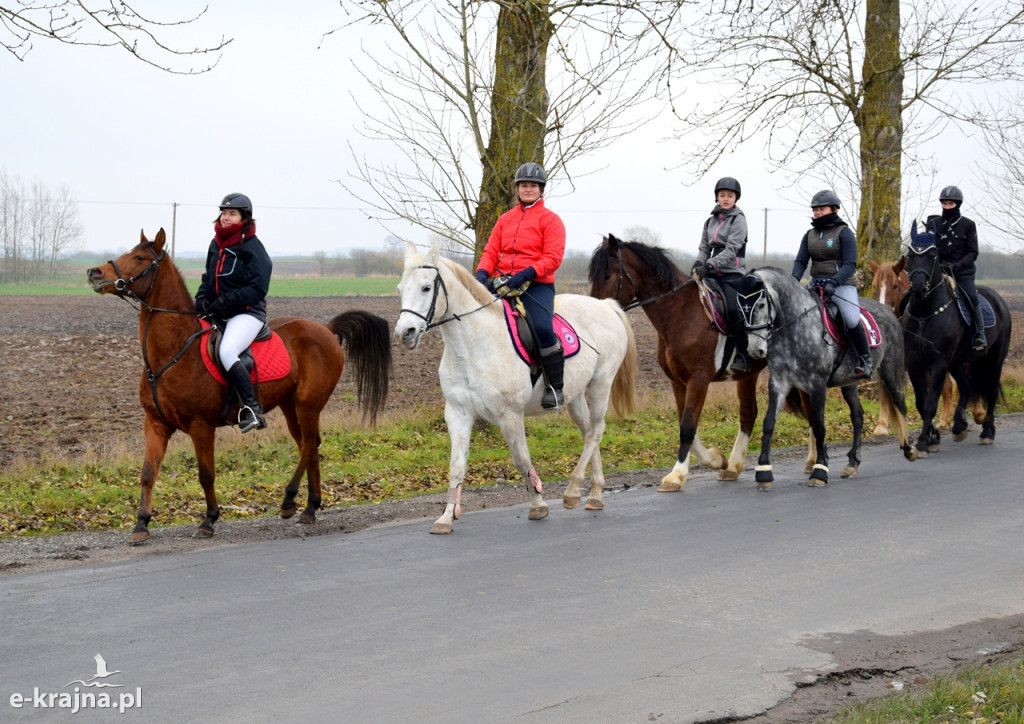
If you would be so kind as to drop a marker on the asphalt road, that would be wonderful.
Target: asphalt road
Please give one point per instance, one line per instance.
(685, 607)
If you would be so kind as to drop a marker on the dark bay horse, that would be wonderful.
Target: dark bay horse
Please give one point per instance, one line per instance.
(178, 393)
(690, 350)
(937, 341)
(889, 284)
(786, 328)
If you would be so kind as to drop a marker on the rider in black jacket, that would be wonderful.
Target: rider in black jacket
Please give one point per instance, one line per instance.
(234, 289)
(956, 239)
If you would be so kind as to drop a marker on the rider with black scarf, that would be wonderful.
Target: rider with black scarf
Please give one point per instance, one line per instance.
(956, 239)
(830, 247)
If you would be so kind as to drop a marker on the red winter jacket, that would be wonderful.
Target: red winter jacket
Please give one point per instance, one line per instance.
(526, 236)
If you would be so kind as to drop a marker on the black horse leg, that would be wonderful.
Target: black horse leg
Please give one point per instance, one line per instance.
(819, 474)
(852, 397)
(763, 475)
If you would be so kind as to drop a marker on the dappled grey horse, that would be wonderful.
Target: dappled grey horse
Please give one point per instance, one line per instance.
(785, 326)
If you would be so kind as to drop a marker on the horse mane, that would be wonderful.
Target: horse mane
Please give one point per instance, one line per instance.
(478, 290)
(655, 257)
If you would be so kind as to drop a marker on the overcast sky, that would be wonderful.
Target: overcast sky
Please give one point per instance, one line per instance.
(273, 120)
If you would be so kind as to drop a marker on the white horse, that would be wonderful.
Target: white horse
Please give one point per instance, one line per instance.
(482, 376)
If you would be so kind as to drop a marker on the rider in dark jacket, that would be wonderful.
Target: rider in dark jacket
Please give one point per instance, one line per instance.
(723, 243)
(234, 289)
(830, 247)
(956, 239)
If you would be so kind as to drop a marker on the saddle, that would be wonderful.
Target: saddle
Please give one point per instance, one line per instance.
(832, 320)
(266, 359)
(988, 315)
(523, 338)
(713, 300)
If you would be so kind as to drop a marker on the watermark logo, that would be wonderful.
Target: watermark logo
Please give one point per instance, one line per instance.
(85, 694)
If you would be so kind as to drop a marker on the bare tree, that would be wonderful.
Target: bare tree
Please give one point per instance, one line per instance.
(104, 23)
(37, 229)
(845, 89)
(474, 88)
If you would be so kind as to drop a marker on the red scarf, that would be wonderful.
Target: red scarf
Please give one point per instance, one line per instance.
(234, 234)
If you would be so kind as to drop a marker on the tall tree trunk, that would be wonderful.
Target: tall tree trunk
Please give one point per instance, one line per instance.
(881, 134)
(519, 107)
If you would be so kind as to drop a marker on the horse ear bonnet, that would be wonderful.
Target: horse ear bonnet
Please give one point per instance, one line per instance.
(920, 241)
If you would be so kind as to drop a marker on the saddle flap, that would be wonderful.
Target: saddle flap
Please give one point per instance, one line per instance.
(522, 337)
(270, 357)
(713, 301)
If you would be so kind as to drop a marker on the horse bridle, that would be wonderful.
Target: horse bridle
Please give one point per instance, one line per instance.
(928, 287)
(634, 302)
(439, 286)
(125, 286)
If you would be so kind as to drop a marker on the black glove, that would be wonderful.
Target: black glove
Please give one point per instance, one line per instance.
(216, 307)
(830, 288)
(202, 306)
(956, 267)
(710, 269)
(699, 270)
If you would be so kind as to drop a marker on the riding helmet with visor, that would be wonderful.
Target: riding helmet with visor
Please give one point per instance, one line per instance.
(728, 183)
(828, 197)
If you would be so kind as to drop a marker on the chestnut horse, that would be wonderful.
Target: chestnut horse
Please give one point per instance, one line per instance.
(178, 393)
(690, 350)
(890, 284)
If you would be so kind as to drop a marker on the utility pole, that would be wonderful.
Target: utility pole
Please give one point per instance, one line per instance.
(174, 225)
(764, 255)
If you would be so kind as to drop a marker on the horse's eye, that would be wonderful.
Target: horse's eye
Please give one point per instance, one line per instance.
(425, 288)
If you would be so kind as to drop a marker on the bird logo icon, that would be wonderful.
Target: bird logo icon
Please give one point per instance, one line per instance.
(101, 673)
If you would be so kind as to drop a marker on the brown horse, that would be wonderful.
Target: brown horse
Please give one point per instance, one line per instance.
(889, 285)
(690, 350)
(178, 393)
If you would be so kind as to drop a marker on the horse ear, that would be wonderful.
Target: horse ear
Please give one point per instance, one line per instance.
(611, 242)
(410, 250)
(161, 237)
(872, 265)
(434, 255)
(142, 237)
(900, 265)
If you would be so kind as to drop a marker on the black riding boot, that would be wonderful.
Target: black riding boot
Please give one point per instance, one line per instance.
(979, 343)
(553, 364)
(859, 339)
(250, 413)
(740, 361)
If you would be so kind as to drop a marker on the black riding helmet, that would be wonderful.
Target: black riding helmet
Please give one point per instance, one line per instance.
(531, 172)
(952, 193)
(727, 183)
(238, 201)
(828, 197)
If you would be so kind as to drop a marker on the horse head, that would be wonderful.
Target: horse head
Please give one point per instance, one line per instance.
(134, 273)
(628, 271)
(758, 317)
(922, 262)
(609, 278)
(890, 281)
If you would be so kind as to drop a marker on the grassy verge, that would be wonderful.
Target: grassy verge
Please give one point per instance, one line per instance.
(977, 694)
(404, 456)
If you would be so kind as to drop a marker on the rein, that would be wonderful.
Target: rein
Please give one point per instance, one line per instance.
(637, 302)
(126, 292)
(440, 286)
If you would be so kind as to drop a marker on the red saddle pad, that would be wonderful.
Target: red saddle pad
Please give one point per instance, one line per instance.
(272, 359)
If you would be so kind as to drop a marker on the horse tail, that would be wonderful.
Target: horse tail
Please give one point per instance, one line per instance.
(367, 340)
(893, 402)
(624, 385)
(794, 403)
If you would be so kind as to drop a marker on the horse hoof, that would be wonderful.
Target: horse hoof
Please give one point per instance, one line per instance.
(728, 475)
(672, 487)
(816, 483)
(922, 453)
(933, 448)
(808, 468)
(138, 536)
(849, 472)
(765, 486)
(911, 454)
(986, 441)
(287, 513)
(202, 532)
(571, 501)
(441, 529)
(307, 519)
(960, 436)
(538, 513)
(594, 505)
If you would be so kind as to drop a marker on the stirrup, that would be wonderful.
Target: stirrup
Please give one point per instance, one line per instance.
(552, 399)
(740, 363)
(249, 419)
(863, 368)
(980, 343)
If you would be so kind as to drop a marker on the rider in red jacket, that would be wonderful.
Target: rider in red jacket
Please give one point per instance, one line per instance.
(527, 246)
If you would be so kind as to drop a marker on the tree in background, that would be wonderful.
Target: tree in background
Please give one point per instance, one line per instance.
(38, 228)
(846, 90)
(476, 88)
(102, 23)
